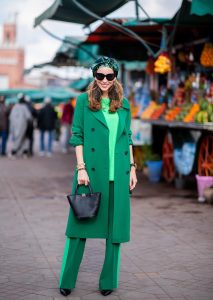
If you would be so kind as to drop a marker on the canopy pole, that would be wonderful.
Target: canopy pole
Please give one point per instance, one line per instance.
(137, 10)
(143, 10)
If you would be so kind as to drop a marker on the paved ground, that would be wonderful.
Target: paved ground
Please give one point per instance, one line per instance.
(170, 255)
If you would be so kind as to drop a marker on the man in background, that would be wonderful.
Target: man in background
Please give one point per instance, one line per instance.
(46, 123)
(30, 127)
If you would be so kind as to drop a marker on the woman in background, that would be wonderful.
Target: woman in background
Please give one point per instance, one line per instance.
(19, 118)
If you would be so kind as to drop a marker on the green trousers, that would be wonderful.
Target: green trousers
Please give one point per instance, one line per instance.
(73, 254)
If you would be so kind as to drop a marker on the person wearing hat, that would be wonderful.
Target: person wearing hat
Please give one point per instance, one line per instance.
(102, 139)
(19, 118)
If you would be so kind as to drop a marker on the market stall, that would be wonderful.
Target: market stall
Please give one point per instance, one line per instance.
(180, 109)
(203, 139)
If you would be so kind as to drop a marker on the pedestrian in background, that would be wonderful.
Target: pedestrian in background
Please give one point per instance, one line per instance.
(46, 123)
(4, 120)
(102, 139)
(66, 122)
(31, 122)
(19, 118)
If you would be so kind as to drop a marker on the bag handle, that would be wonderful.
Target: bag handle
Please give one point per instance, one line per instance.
(89, 186)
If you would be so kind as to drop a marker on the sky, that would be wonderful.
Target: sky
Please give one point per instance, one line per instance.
(39, 47)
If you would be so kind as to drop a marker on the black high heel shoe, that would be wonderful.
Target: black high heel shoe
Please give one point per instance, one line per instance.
(106, 292)
(65, 292)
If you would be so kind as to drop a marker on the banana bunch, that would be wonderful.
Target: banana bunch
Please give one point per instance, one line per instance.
(206, 58)
(163, 64)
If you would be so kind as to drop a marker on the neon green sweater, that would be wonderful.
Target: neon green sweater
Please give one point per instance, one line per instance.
(112, 120)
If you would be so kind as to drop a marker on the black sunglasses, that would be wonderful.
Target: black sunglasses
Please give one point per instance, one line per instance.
(101, 76)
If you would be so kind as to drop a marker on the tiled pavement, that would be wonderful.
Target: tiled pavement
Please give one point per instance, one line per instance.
(170, 255)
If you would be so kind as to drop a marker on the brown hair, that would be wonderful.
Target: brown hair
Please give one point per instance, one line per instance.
(115, 95)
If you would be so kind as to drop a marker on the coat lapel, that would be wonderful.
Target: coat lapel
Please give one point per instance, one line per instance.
(122, 113)
(121, 123)
(97, 114)
(100, 117)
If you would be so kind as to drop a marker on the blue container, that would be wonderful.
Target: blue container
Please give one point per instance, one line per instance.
(154, 170)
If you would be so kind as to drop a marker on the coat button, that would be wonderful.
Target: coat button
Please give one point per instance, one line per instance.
(126, 152)
(93, 149)
(124, 133)
(127, 172)
(93, 169)
(92, 129)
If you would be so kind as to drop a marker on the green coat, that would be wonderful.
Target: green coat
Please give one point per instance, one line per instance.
(90, 130)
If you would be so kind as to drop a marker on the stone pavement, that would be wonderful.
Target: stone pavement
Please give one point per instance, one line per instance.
(170, 255)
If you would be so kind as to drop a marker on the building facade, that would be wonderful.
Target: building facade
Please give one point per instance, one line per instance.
(11, 59)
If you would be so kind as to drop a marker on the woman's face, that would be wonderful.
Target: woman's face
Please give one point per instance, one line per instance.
(104, 84)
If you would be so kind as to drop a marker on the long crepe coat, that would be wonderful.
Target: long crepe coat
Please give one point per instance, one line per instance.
(90, 130)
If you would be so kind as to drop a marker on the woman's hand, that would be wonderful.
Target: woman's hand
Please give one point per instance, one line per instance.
(83, 177)
(133, 179)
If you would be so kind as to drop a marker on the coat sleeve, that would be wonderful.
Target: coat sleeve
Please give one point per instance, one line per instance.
(77, 137)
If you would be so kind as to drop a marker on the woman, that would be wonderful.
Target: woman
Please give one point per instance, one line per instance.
(102, 139)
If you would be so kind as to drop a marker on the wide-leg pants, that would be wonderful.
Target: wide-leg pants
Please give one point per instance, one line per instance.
(73, 254)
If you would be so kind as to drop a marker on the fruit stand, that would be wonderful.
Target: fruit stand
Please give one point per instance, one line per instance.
(191, 122)
(180, 109)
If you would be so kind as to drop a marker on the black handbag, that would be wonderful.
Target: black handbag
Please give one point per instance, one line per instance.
(85, 206)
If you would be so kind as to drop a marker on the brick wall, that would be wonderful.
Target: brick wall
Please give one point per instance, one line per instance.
(12, 65)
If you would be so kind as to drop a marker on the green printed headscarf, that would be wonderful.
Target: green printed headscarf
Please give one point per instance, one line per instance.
(105, 61)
